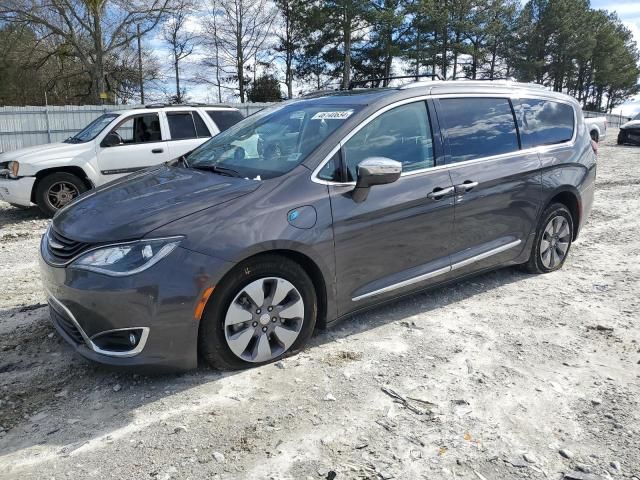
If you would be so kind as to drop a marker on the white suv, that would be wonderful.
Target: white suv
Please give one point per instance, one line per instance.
(111, 146)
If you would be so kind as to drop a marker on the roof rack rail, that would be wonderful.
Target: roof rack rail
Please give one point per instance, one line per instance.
(469, 81)
(432, 76)
(190, 104)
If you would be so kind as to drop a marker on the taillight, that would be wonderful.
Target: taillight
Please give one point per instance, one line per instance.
(594, 145)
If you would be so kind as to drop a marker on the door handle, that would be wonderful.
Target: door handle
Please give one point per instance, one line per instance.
(439, 193)
(157, 150)
(465, 186)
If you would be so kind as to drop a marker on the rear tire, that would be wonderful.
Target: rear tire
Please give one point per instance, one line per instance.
(220, 337)
(594, 136)
(552, 242)
(57, 190)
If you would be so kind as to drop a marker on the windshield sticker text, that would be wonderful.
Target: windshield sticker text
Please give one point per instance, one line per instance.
(332, 115)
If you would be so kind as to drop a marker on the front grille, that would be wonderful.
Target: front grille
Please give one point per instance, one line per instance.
(66, 325)
(63, 249)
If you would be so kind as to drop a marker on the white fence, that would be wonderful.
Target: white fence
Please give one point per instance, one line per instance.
(613, 120)
(27, 126)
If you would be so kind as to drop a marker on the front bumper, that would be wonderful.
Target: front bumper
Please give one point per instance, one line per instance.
(159, 303)
(17, 191)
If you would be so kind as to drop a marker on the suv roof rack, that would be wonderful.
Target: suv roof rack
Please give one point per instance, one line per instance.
(190, 104)
(432, 76)
(509, 82)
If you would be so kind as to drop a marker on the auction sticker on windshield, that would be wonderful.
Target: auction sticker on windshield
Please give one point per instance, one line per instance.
(332, 115)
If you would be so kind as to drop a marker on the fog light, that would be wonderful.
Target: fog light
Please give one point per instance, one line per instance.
(118, 340)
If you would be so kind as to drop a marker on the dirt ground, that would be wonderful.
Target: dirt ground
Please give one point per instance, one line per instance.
(504, 376)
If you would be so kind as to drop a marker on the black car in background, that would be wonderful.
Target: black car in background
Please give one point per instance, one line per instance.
(630, 132)
(311, 210)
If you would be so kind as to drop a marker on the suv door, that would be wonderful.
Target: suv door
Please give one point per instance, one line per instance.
(141, 145)
(187, 131)
(399, 237)
(497, 186)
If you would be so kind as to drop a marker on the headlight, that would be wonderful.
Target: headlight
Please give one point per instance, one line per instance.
(126, 258)
(13, 168)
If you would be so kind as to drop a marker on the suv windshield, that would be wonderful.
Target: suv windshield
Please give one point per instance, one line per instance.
(92, 130)
(271, 142)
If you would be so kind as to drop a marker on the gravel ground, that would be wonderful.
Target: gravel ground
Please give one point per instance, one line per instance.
(503, 376)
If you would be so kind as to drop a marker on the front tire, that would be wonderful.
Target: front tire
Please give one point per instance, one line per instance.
(263, 310)
(57, 190)
(552, 243)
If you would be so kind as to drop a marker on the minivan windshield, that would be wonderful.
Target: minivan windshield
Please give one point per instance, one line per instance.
(271, 142)
(92, 130)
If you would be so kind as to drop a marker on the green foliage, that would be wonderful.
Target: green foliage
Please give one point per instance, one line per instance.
(266, 88)
(563, 44)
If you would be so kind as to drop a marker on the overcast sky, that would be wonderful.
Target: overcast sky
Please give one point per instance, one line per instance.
(628, 11)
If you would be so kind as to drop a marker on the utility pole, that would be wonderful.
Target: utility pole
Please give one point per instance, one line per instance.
(140, 67)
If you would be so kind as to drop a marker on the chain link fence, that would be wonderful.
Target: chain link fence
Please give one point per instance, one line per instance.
(22, 127)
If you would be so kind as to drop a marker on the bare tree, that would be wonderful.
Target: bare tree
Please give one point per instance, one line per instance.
(179, 38)
(239, 30)
(96, 31)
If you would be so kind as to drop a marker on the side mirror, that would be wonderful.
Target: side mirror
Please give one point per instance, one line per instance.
(375, 171)
(111, 140)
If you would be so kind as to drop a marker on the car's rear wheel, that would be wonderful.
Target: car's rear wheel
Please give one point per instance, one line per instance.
(553, 240)
(57, 190)
(263, 310)
(594, 136)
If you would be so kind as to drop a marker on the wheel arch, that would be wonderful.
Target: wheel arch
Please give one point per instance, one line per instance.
(570, 198)
(310, 267)
(75, 170)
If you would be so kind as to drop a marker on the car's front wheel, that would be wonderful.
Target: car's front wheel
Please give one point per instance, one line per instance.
(57, 190)
(263, 310)
(553, 240)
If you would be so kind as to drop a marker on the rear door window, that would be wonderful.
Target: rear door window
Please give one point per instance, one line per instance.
(201, 127)
(544, 122)
(478, 127)
(181, 125)
(225, 118)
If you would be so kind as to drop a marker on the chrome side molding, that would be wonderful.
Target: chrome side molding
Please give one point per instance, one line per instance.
(440, 271)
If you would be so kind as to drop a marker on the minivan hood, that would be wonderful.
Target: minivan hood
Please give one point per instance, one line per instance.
(129, 208)
(631, 124)
(48, 151)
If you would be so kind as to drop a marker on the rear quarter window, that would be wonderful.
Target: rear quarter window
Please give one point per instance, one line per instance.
(225, 119)
(544, 122)
(478, 127)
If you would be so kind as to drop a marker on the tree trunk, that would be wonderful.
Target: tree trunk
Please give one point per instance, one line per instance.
(346, 73)
(98, 67)
(175, 64)
(494, 54)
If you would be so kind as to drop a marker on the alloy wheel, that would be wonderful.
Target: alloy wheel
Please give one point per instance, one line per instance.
(555, 242)
(264, 319)
(61, 193)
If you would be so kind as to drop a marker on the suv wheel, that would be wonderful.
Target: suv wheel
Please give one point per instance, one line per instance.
(57, 190)
(553, 240)
(594, 136)
(264, 310)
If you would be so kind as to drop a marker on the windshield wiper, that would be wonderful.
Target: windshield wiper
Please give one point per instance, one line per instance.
(229, 172)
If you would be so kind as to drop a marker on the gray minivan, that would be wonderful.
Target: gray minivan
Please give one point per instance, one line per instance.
(312, 210)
